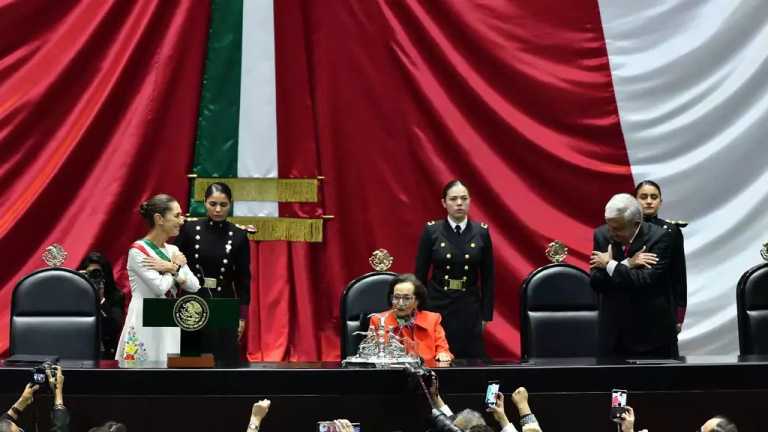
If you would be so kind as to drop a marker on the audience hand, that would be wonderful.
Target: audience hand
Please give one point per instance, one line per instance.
(498, 411)
(520, 399)
(258, 412)
(56, 382)
(627, 420)
(27, 397)
(443, 357)
(434, 391)
(343, 425)
(434, 386)
(260, 409)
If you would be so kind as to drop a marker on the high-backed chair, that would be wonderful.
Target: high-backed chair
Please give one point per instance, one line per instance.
(55, 312)
(362, 297)
(559, 313)
(752, 310)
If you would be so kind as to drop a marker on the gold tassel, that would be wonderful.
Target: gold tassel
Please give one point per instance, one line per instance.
(290, 229)
(262, 189)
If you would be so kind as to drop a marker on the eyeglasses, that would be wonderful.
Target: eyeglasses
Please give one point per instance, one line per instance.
(402, 299)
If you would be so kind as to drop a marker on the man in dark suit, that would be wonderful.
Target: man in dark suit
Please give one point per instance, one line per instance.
(631, 271)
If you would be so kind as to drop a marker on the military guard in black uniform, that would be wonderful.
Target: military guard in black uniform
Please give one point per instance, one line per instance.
(648, 193)
(219, 254)
(461, 288)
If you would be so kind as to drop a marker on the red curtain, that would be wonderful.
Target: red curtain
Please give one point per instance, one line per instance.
(391, 99)
(387, 99)
(98, 105)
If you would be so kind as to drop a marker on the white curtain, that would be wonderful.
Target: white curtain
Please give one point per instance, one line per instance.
(691, 83)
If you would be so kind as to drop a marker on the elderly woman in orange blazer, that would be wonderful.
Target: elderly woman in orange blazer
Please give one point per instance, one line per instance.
(408, 297)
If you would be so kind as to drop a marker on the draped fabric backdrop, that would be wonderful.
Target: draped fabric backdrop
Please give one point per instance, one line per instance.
(691, 81)
(389, 101)
(98, 102)
(543, 110)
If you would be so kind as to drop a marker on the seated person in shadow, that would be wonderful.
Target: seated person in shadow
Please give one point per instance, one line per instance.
(409, 321)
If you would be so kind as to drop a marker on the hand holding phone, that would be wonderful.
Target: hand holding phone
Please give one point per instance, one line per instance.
(490, 393)
(618, 404)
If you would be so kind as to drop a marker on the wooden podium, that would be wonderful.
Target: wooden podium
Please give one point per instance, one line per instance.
(222, 313)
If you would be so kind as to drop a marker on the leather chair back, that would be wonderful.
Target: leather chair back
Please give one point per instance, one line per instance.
(362, 297)
(559, 313)
(55, 312)
(752, 310)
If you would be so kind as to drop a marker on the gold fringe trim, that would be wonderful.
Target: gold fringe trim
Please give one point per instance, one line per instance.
(262, 189)
(290, 229)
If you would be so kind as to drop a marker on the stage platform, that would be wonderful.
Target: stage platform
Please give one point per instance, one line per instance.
(565, 394)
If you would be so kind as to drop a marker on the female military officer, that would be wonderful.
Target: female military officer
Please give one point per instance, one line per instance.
(648, 193)
(219, 255)
(461, 287)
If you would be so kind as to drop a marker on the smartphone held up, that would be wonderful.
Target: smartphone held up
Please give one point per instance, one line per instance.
(618, 404)
(490, 393)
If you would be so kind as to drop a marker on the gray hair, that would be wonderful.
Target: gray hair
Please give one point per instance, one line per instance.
(624, 205)
(468, 418)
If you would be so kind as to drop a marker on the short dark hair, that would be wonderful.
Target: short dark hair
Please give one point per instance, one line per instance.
(419, 290)
(158, 204)
(725, 424)
(218, 187)
(452, 183)
(647, 183)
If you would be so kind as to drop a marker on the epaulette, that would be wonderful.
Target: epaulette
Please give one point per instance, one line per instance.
(430, 223)
(484, 225)
(677, 223)
(193, 222)
(248, 229)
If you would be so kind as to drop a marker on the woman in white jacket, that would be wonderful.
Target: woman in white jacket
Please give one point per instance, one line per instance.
(156, 269)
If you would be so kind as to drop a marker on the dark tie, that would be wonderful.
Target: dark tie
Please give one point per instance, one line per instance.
(458, 230)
